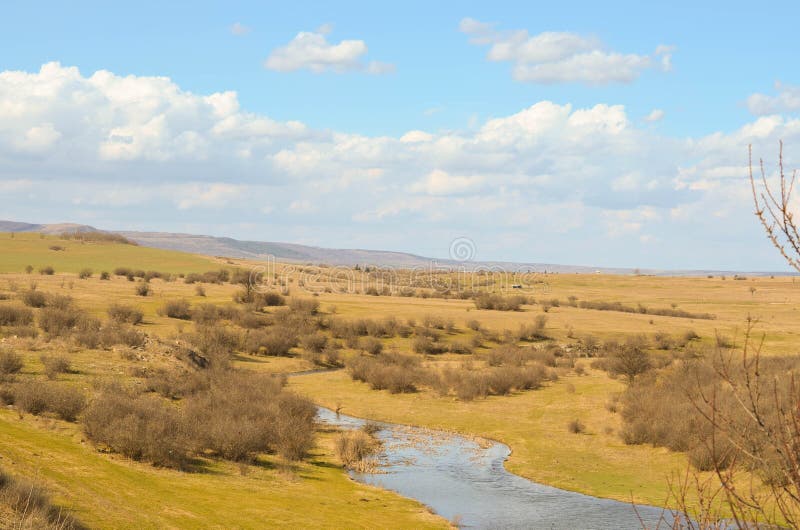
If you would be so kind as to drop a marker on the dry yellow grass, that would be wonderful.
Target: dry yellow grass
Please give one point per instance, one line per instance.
(533, 424)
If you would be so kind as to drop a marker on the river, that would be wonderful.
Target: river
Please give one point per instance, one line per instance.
(464, 481)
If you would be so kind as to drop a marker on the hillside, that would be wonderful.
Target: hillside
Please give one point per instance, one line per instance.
(295, 253)
(66, 255)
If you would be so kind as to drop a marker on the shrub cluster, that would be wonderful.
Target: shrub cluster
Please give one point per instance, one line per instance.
(355, 449)
(179, 309)
(231, 414)
(98, 237)
(11, 315)
(499, 302)
(125, 314)
(399, 373)
(37, 397)
(643, 310)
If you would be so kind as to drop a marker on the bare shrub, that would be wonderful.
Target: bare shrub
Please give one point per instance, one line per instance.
(11, 315)
(244, 413)
(141, 427)
(576, 426)
(31, 507)
(314, 342)
(47, 271)
(354, 449)
(498, 302)
(179, 309)
(428, 345)
(216, 341)
(370, 345)
(54, 365)
(304, 305)
(142, 289)
(630, 359)
(203, 314)
(10, 362)
(275, 342)
(85, 273)
(33, 298)
(38, 397)
(125, 314)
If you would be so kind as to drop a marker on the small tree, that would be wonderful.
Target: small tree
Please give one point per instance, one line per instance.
(631, 359)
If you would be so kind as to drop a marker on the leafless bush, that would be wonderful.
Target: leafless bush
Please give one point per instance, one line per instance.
(498, 302)
(31, 507)
(142, 289)
(428, 345)
(179, 309)
(125, 314)
(38, 397)
(314, 342)
(85, 273)
(394, 372)
(47, 271)
(576, 427)
(304, 305)
(641, 309)
(11, 315)
(54, 365)
(354, 449)
(98, 237)
(10, 362)
(141, 427)
(370, 345)
(276, 342)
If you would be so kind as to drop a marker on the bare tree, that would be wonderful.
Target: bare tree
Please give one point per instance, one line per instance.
(753, 410)
(773, 209)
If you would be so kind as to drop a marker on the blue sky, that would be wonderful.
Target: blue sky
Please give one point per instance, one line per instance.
(572, 132)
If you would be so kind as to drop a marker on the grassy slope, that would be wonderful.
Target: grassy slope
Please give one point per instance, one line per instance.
(31, 249)
(532, 423)
(106, 491)
(110, 492)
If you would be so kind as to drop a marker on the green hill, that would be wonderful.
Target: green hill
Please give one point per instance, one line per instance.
(18, 250)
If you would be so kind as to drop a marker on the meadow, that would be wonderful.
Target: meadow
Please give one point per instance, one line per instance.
(554, 330)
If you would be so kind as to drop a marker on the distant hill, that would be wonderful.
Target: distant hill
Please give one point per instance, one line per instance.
(49, 229)
(291, 252)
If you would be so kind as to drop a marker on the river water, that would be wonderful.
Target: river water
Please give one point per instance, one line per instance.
(465, 482)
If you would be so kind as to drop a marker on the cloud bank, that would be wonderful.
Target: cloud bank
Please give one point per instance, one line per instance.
(548, 183)
(310, 50)
(562, 57)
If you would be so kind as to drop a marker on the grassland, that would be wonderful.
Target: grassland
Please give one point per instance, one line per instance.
(109, 491)
(22, 249)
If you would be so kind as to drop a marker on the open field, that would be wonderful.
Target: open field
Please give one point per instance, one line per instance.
(108, 490)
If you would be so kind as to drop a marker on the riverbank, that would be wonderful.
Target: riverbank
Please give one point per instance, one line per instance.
(532, 424)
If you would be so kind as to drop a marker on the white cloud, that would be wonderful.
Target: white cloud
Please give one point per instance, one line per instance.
(239, 29)
(565, 183)
(312, 51)
(440, 182)
(654, 116)
(416, 136)
(38, 138)
(211, 195)
(562, 57)
(787, 99)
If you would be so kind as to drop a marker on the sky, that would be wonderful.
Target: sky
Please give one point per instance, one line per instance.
(585, 133)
